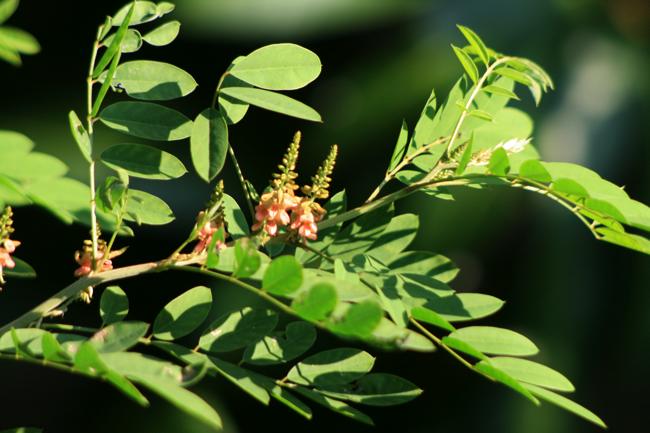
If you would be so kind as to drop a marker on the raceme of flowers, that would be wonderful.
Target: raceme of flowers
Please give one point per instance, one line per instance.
(7, 245)
(279, 207)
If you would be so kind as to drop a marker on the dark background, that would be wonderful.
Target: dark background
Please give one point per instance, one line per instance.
(585, 303)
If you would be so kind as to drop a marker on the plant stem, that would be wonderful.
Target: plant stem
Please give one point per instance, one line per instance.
(406, 161)
(264, 295)
(468, 105)
(440, 344)
(387, 199)
(231, 151)
(91, 136)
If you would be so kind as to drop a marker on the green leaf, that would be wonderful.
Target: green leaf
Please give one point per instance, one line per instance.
(317, 303)
(232, 109)
(534, 170)
(114, 48)
(145, 208)
(131, 43)
(164, 8)
(119, 336)
(10, 56)
(283, 276)
(21, 270)
(519, 77)
(235, 218)
(108, 81)
(52, 349)
(209, 143)
(113, 305)
(335, 405)
(140, 160)
(278, 67)
(498, 375)
(400, 147)
(480, 114)
(457, 307)
(627, 240)
(163, 35)
(18, 40)
(238, 329)
(533, 373)
(467, 62)
(7, 9)
(424, 263)
(183, 399)
(377, 389)
(251, 383)
(184, 314)
(273, 101)
(477, 43)
(566, 404)
(80, 135)
(14, 142)
(279, 348)
(569, 187)
(147, 120)
(428, 316)
(153, 81)
(332, 368)
(247, 259)
(499, 162)
(357, 237)
(359, 320)
(144, 12)
(32, 166)
(465, 158)
(501, 91)
(397, 236)
(498, 341)
(132, 364)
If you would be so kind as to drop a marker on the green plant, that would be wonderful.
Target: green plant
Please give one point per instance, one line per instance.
(329, 268)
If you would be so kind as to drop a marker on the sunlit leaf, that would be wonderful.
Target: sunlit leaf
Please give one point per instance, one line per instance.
(278, 67)
(153, 81)
(316, 303)
(498, 341)
(283, 276)
(209, 143)
(467, 62)
(119, 336)
(163, 35)
(273, 101)
(80, 135)
(566, 404)
(533, 373)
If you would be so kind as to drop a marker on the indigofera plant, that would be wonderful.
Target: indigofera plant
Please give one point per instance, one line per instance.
(331, 267)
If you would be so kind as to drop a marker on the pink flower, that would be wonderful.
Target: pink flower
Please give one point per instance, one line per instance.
(305, 221)
(8, 247)
(273, 211)
(205, 237)
(85, 262)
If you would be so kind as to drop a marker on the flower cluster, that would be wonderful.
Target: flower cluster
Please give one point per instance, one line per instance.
(210, 222)
(281, 207)
(84, 258)
(7, 245)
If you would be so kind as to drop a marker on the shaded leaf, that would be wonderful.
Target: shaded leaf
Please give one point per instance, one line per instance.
(279, 348)
(147, 120)
(153, 81)
(140, 160)
(183, 314)
(332, 368)
(238, 329)
(113, 305)
(377, 389)
(119, 336)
